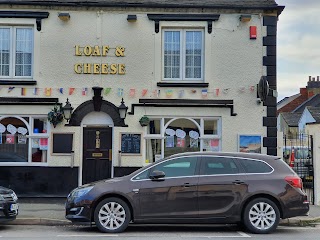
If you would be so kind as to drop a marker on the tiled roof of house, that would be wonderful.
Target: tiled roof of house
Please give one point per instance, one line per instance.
(292, 119)
(315, 112)
(313, 101)
(153, 3)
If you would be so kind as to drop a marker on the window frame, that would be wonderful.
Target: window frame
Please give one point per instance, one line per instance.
(182, 71)
(13, 49)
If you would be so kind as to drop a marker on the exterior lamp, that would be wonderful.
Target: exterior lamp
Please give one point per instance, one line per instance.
(122, 110)
(67, 110)
(132, 18)
(64, 16)
(245, 18)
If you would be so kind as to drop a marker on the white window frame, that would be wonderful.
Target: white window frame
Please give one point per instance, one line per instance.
(13, 42)
(183, 55)
(30, 136)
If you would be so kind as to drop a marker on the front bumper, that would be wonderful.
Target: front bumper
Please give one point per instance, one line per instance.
(6, 214)
(78, 212)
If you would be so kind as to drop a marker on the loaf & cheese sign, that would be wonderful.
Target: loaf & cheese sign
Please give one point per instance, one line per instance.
(100, 68)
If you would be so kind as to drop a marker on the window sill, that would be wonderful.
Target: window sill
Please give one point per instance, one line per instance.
(193, 85)
(18, 82)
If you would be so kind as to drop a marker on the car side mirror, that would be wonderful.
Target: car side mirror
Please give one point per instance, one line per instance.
(155, 175)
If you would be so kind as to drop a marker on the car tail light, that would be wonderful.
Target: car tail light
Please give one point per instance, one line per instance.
(294, 181)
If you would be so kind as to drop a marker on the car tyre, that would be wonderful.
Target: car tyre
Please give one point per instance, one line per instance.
(261, 215)
(112, 215)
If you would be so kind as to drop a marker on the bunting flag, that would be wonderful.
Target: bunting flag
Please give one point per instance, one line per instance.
(217, 91)
(107, 91)
(251, 88)
(71, 90)
(193, 90)
(204, 93)
(156, 93)
(120, 92)
(10, 89)
(132, 92)
(181, 93)
(61, 90)
(35, 91)
(23, 91)
(144, 92)
(169, 93)
(47, 92)
(84, 91)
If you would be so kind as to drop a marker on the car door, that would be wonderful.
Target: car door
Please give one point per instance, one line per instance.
(175, 195)
(221, 186)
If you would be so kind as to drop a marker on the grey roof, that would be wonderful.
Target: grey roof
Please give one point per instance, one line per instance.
(251, 4)
(313, 101)
(292, 119)
(315, 112)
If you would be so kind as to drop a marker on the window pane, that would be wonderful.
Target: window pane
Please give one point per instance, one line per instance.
(212, 145)
(4, 51)
(218, 165)
(193, 54)
(211, 127)
(153, 150)
(24, 51)
(251, 166)
(39, 149)
(171, 54)
(185, 166)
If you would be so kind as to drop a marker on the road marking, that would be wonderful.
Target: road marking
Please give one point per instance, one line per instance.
(241, 235)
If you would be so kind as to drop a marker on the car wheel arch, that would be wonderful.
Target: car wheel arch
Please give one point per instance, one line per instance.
(111, 195)
(262, 195)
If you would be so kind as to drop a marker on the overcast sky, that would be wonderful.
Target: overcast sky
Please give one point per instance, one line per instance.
(298, 50)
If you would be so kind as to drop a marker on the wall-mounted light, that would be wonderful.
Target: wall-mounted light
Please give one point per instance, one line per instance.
(64, 16)
(132, 18)
(122, 110)
(67, 110)
(245, 18)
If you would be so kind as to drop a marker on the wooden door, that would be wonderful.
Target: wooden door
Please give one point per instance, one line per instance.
(97, 154)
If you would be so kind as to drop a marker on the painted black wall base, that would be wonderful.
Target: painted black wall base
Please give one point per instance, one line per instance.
(123, 171)
(39, 181)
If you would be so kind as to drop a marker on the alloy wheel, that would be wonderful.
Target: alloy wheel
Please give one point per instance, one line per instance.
(262, 216)
(112, 215)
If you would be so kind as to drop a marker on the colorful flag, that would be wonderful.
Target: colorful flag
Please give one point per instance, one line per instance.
(120, 92)
(47, 92)
(251, 88)
(169, 93)
(217, 91)
(61, 90)
(84, 91)
(23, 91)
(107, 91)
(10, 89)
(35, 91)
(132, 92)
(71, 90)
(181, 93)
(144, 92)
(204, 93)
(193, 90)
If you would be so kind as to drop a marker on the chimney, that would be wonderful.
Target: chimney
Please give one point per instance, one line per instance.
(304, 92)
(317, 78)
(313, 79)
(309, 78)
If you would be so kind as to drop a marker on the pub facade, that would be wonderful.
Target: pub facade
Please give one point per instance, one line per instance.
(94, 90)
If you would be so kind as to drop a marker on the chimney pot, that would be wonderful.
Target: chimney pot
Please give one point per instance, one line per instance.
(309, 78)
(318, 78)
(313, 79)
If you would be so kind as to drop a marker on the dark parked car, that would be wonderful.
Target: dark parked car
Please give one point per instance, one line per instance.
(253, 190)
(8, 205)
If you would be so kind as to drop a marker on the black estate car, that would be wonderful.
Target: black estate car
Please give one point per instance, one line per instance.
(8, 204)
(254, 190)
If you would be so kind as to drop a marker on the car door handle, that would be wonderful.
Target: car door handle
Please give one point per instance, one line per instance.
(186, 185)
(238, 182)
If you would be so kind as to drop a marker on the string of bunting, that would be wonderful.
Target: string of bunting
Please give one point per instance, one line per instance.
(132, 92)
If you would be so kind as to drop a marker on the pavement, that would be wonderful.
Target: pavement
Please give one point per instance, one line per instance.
(51, 211)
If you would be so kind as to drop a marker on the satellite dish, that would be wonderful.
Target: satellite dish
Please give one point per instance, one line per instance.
(263, 88)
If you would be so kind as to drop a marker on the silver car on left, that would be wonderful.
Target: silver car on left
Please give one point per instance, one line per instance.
(9, 206)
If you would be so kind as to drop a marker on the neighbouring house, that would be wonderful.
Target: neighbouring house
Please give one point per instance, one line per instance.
(93, 90)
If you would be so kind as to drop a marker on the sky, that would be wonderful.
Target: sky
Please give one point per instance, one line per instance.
(298, 50)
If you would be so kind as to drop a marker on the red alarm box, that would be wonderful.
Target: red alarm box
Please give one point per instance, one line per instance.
(253, 32)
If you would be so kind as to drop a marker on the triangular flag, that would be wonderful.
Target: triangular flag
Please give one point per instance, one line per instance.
(132, 92)
(120, 92)
(61, 90)
(84, 91)
(169, 92)
(144, 92)
(251, 88)
(10, 89)
(71, 90)
(47, 91)
(35, 91)
(217, 91)
(181, 93)
(204, 92)
(156, 93)
(107, 91)
(23, 91)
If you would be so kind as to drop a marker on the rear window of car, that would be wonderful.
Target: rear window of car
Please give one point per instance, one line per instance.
(255, 166)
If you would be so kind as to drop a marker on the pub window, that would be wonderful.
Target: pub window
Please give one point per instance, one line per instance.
(16, 52)
(183, 54)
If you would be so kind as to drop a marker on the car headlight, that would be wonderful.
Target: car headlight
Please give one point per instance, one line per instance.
(80, 192)
(14, 196)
